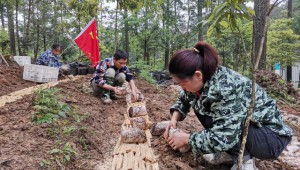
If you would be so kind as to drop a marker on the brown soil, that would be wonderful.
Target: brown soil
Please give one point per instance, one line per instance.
(25, 145)
(11, 79)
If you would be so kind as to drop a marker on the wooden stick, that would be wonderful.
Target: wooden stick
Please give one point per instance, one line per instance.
(4, 60)
(121, 149)
(155, 166)
(113, 164)
(125, 161)
(130, 160)
(117, 146)
(148, 166)
(136, 158)
(141, 165)
(148, 136)
(120, 161)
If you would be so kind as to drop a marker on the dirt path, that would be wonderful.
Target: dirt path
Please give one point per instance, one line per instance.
(27, 146)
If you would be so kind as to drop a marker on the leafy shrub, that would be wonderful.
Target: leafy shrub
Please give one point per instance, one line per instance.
(65, 154)
(48, 106)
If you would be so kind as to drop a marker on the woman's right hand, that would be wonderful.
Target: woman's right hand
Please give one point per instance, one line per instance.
(173, 123)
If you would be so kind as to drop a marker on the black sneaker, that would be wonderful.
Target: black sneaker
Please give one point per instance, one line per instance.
(106, 99)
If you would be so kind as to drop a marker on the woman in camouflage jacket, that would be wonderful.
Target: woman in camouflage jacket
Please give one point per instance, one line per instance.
(220, 98)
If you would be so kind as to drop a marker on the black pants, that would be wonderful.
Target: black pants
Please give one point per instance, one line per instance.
(262, 143)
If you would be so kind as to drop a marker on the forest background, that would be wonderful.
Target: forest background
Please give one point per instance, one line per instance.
(150, 31)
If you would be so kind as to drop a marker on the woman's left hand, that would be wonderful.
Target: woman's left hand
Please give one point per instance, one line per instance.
(178, 140)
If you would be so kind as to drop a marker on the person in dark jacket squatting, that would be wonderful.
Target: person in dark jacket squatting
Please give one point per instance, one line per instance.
(51, 58)
(220, 98)
(111, 73)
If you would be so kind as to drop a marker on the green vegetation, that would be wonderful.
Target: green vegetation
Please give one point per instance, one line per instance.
(64, 154)
(47, 106)
(145, 69)
(283, 43)
(63, 122)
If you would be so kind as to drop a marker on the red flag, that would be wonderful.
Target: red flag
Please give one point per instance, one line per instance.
(87, 41)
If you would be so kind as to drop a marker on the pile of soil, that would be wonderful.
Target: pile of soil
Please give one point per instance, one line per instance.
(11, 79)
(288, 98)
(277, 87)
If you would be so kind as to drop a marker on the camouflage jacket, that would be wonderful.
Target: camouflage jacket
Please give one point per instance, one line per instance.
(226, 98)
(103, 66)
(48, 59)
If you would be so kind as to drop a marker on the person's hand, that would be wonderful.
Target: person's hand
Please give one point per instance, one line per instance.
(135, 96)
(173, 123)
(179, 140)
(117, 91)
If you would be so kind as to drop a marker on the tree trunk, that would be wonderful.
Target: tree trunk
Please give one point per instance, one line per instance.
(17, 28)
(79, 27)
(11, 29)
(37, 41)
(289, 68)
(99, 33)
(126, 33)
(167, 35)
(261, 8)
(175, 20)
(56, 34)
(26, 37)
(237, 56)
(188, 25)
(44, 41)
(252, 102)
(116, 27)
(2, 14)
(145, 49)
(200, 4)
(2, 11)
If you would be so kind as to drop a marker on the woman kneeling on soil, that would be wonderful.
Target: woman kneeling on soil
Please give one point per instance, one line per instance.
(220, 98)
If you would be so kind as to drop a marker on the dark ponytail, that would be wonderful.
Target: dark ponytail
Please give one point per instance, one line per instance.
(202, 57)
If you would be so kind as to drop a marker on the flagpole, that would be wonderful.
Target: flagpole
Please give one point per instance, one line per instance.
(72, 42)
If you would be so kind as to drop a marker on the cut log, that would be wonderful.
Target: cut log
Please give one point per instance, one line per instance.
(136, 111)
(133, 135)
(140, 122)
(159, 128)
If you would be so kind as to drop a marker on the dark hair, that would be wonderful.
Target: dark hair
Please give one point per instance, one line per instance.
(55, 46)
(120, 55)
(202, 57)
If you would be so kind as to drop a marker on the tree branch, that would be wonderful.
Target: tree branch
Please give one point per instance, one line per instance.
(248, 117)
(273, 6)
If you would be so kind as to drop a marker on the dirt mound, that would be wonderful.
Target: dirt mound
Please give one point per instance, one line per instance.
(11, 79)
(277, 87)
(288, 98)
